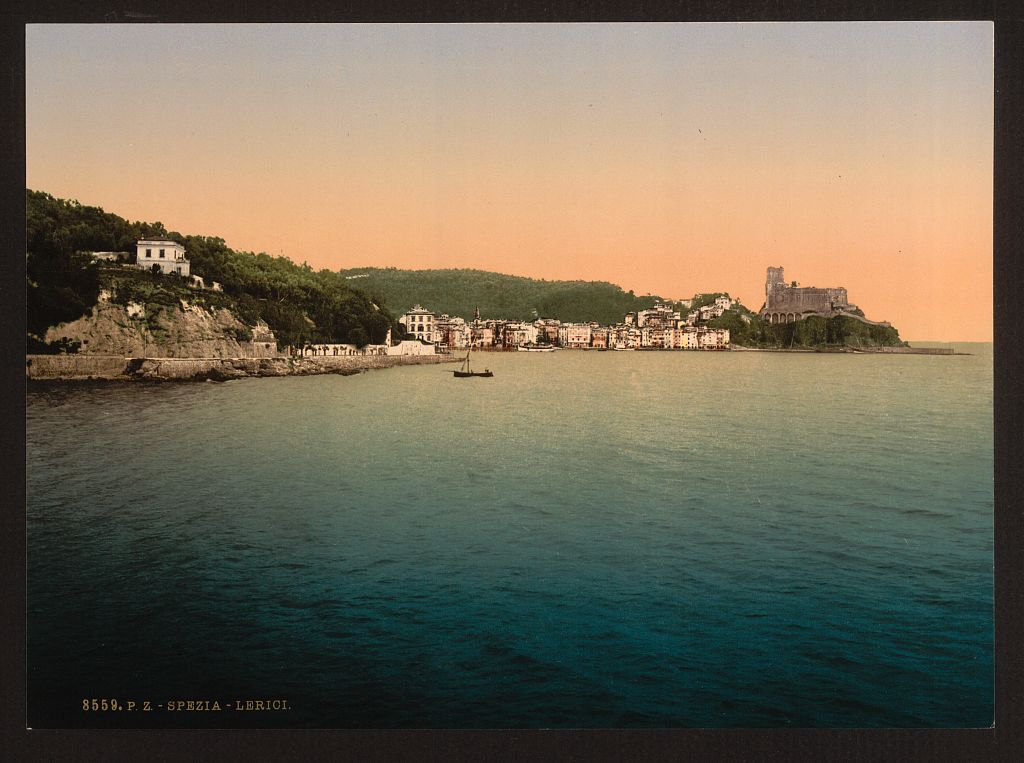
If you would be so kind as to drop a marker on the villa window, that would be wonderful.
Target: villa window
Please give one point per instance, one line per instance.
(149, 252)
(161, 254)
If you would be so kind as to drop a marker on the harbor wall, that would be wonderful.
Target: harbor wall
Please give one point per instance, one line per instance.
(119, 368)
(914, 350)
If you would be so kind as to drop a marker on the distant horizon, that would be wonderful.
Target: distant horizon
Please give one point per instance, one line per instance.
(664, 158)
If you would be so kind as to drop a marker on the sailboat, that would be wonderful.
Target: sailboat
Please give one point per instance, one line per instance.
(465, 371)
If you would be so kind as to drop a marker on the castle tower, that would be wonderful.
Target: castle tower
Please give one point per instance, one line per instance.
(776, 279)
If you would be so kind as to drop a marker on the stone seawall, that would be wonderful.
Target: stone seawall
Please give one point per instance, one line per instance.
(915, 350)
(118, 368)
(74, 366)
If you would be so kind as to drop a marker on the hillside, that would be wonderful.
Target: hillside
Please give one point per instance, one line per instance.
(747, 329)
(460, 292)
(298, 303)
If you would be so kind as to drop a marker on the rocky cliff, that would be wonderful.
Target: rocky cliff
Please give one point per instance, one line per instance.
(159, 331)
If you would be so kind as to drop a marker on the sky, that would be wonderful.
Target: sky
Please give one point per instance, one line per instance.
(667, 158)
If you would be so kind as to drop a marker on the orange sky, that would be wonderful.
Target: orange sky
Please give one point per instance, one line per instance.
(667, 158)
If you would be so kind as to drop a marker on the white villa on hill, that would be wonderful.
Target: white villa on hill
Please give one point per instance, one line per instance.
(163, 255)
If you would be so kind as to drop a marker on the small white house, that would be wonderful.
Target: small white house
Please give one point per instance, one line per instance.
(161, 255)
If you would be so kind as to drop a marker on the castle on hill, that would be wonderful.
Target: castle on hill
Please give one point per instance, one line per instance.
(790, 303)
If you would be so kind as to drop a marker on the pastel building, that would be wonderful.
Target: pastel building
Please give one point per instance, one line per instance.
(685, 339)
(654, 337)
(659, 316)
(454, 332)
(714, 339)
(515, 334)
(574, 335)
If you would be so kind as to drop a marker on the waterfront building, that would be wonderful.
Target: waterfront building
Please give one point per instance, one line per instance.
(453, 332)
(547, 330)
(334, 350)
(713, 339)
(617, 336)
(653, 337)
(161, 255)
(422, 324)
(482, 335)
(574, 335)
(684, 338)
(516, 334)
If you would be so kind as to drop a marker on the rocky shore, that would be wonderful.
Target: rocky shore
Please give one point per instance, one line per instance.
(120, 368)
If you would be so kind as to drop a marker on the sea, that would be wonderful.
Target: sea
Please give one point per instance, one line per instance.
(585, 540)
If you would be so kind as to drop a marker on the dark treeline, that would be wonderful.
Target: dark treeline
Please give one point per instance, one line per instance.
(298, 303)
(749, 330)
(460, 292)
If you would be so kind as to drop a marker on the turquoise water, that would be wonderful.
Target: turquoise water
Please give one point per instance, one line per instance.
(585, 540)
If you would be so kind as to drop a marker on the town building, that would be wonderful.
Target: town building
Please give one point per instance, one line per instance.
(574, 335)
(161, 255)
(547, 330)
(653, 337)
(482, 334)
(422, 324)
(685, 338)
(624, 337)
(659, 316)
(713, 339)
(516, 334)
(453, 332)
(330, 350)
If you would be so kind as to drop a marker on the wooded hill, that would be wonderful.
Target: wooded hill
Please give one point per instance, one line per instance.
(748, 329)
(298, 303)
(357, 305)
(460, 292)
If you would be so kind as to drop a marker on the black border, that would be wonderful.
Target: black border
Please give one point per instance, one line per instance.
(938, 744)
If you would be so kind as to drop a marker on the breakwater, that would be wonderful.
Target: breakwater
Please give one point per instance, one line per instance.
(119, 368)
(915, 350)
